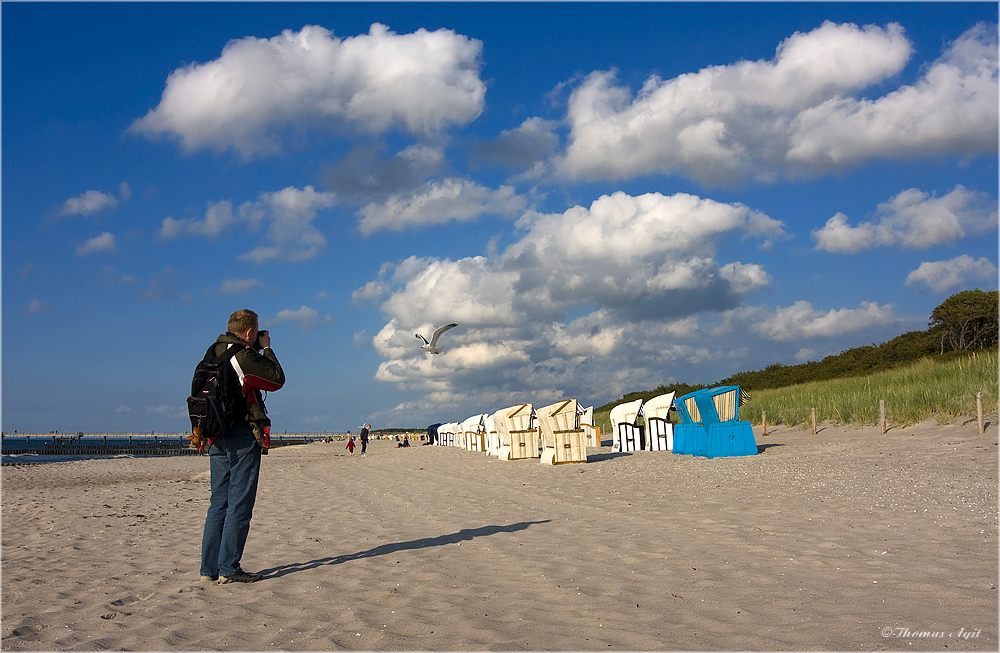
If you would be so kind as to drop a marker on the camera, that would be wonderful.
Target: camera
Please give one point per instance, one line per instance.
(256, 342)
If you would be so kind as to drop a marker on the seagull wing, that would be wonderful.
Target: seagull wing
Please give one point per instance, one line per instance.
(421, 337)
(438, 331)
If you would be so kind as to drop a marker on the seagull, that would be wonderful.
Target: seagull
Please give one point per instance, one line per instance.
(431, 346)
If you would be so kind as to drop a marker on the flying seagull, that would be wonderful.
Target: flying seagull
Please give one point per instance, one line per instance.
(431, 346)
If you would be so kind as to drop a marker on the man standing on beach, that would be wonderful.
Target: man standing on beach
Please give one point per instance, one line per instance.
(364, 438)
(234, 457)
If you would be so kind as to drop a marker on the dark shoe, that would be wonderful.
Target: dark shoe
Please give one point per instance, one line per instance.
(240, 577)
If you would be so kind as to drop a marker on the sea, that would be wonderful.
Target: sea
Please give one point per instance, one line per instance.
(54, 448)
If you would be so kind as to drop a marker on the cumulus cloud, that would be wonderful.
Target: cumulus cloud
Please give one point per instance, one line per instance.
(288, 214)
(796, 114)
(103, 243)
(305, 317)
(291, 235)
(371, 291)
(218, 219)
(586, 285)
(942, 276)
(94, 201)
(951, 109)
(246, 99)
(802, 320)
(439, 202)
(912, 219)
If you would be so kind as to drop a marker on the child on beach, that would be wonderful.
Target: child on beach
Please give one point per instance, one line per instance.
(350, 445)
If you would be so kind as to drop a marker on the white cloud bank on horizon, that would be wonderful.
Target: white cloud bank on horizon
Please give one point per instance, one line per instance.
(793, 116)
(913, 219)
(421, 82)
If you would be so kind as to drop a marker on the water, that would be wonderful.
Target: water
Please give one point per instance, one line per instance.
(62, 448)
(35, 458)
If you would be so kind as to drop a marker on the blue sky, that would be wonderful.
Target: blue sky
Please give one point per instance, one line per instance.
(604, 197)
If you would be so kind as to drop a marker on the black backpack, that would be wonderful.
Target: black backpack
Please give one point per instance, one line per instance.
(216, 402)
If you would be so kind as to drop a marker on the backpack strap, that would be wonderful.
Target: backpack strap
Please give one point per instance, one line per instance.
(231, 351)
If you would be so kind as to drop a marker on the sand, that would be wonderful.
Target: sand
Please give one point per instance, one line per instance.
(846, 540)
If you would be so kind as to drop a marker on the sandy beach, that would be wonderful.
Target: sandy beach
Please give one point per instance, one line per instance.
(846, 540)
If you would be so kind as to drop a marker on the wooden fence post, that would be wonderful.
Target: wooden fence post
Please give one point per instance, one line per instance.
(763, 423)
(979, 411)
(881, 410)
(814, 420)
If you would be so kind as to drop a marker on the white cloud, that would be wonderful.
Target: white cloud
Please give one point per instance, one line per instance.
(802, 320)
(218, 218)
(421, 82)
(639, 256)
(805, 355)
(837, 235)
(103, 243)
(439, 202)
(305, 317)
(942, 276)
(595, 283)
(238, 286)
(951, 109)
(793, 115)
(912, 219)
(371, 291)
(37, 307)
(288, 214)
(178, 412)
(90, 202)
(744, 278)
(94, 201)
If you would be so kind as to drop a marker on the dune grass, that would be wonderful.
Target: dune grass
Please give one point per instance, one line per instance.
(945, 390)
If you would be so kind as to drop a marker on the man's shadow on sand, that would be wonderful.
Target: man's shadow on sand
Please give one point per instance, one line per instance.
(383, 549)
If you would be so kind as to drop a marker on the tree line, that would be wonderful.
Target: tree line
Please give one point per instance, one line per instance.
(965, 321)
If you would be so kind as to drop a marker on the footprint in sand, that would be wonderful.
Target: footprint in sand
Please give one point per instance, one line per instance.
(26, 629)
(116, 615)
(131, 600)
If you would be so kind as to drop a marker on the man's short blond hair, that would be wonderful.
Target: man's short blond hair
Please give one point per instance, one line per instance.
(242, 320)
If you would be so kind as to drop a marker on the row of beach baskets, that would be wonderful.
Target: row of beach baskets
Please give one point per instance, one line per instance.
(706, 423)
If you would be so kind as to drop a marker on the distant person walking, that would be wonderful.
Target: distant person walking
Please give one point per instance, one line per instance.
(364, 439)
(234, 457)
(350, 445)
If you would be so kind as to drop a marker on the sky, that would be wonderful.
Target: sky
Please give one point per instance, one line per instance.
(604, 197)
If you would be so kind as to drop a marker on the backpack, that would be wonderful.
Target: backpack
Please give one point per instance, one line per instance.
(216, 402)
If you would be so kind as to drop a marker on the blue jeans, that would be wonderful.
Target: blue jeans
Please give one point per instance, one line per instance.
(235, 463)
